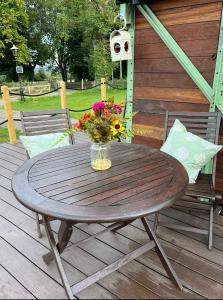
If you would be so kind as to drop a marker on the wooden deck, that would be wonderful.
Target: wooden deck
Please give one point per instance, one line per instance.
(24, 275)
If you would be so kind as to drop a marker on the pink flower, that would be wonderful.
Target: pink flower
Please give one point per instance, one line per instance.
(98, 106)
(117, 108)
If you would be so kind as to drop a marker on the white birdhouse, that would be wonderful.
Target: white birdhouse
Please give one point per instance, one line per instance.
(120, 44)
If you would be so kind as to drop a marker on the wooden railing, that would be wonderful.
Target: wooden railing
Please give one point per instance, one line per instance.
(63, 99)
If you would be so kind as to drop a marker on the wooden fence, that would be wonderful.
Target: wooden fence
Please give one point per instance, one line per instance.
(63, 99)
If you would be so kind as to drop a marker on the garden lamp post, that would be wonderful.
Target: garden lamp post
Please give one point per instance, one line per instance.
(19, 70)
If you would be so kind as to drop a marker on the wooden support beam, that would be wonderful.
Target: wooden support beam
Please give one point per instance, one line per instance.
(9, 114)
(76, 288)
(218, 76)
(103, 89)
(129, 12)
(63, 95)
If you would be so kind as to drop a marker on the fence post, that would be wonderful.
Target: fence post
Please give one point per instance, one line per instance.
(29, 89)
(103, 89)
(82, 84)
(9, 114)
(63, 95)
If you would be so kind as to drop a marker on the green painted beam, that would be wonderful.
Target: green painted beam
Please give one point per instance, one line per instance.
(218, 76)
(178, 53)
(217, 85)
(130, 18)
(126, 11)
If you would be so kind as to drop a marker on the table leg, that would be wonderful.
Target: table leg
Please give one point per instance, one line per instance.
(64, 234)
(159, 250)
(56, 255)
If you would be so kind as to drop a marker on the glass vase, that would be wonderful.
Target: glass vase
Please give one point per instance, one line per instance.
(100, 156)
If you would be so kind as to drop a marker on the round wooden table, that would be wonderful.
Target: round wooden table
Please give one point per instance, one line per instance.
(60, 184)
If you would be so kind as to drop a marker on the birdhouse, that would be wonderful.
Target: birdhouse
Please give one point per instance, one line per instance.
(120, 44)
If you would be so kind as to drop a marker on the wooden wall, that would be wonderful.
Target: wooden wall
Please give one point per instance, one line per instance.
(160, 82)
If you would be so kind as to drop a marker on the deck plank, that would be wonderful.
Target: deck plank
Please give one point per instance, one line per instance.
(28, 274)
(10, 288)
(29, 277)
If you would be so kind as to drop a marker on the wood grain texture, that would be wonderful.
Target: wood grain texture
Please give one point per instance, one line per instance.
(10, 288)
(45, 122)
(101, 201)
(165, 80)
(191, 48)
(163, 5)
(160, 82)
(185, 32)
(160, 107)
(171, 65)
(143, 278)
(184, 15)
(170, 94)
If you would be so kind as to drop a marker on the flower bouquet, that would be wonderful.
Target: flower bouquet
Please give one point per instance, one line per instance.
(103, 124)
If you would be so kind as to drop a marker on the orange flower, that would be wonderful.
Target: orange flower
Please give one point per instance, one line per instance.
(107, 113)
(78, 125)
(86, 117)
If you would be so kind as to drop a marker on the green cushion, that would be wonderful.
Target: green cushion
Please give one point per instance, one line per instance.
(191, 150)
(37, 144)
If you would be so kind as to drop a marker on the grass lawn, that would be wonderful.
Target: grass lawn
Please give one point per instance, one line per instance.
(77, 100)
(4, 137)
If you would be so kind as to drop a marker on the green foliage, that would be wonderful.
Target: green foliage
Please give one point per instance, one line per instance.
(97, 22)
(72, 35)
(4, 136)
(13, 22)
(40, 75)
(37, 31)
(2, 79)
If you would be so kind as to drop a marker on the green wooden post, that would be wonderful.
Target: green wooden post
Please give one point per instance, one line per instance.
(129, 12)
(217, 84)
(178, 53)
(218, 76)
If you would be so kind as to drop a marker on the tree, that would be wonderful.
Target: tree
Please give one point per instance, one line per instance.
(62, 18)
(79, 36)
(97, 22)
(36, 33)
(78, 65)
(73, 35)
(13, 22)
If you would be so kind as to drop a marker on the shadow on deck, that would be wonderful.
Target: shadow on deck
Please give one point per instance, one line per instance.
(23, 274)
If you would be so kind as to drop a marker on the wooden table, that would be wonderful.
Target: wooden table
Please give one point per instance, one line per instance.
(61, 184)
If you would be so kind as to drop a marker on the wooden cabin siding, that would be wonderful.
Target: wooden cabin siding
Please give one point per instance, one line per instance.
(160, 83)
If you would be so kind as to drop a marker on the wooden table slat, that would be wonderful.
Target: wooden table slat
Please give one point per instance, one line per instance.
(113, 195)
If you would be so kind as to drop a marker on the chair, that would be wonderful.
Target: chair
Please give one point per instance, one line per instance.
(200, 196)
(44, 122)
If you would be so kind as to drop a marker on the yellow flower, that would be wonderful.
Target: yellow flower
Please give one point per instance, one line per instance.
(116, 127)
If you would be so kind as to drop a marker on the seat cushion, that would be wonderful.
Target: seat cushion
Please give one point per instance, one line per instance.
(37, 144)
(191, 150)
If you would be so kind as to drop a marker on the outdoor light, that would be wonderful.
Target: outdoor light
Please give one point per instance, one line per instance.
(14, 50)
(19, 70)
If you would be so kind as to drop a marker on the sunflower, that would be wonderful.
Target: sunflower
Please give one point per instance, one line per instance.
(116, 127)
